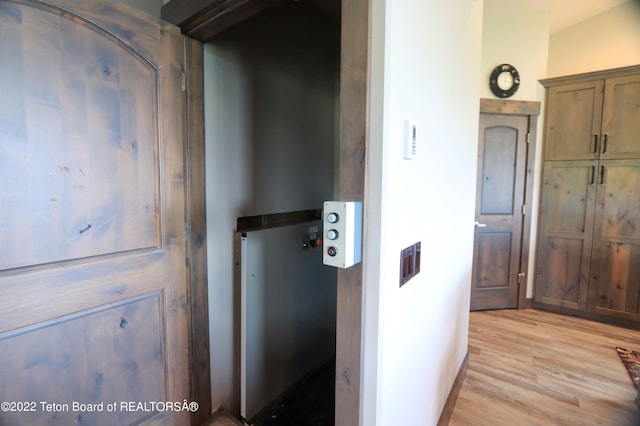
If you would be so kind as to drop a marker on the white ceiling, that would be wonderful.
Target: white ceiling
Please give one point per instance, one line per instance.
(564, 13)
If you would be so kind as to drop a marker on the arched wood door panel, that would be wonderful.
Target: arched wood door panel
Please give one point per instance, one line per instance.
(500, 196)
(80, 138)
(93, 300)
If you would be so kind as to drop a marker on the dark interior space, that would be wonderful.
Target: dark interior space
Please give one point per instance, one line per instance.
(287, 61)
(308, 403)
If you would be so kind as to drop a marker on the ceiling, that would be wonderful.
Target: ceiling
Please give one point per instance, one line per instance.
(564, 13)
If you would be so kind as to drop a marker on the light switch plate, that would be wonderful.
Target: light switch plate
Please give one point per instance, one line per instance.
(410, 262)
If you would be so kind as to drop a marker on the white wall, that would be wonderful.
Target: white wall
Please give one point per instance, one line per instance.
(425, 66)
(519, 40)
(270, 87)
(228, 190)
(522, 41)
(608, 40)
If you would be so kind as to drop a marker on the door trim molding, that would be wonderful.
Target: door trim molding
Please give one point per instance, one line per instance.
(505, 106)
(354, 126)
(532, 110)
(196, 232)
(353, 167)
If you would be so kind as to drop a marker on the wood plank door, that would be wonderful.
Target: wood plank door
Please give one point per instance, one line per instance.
(502, 156)
(93, 301)
(614, 286)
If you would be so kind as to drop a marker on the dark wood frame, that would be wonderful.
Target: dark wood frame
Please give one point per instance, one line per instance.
(274, 220)
(590, 76)
(354, 139)
(532, 110)
(201, 19)
(196, 231)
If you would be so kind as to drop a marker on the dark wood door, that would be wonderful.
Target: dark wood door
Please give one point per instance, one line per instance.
(499, 210)
(565, 233)
(614, 286)
(93, 305)
(573, 122)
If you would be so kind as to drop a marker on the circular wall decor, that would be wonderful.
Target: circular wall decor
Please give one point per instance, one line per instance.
(504, 80)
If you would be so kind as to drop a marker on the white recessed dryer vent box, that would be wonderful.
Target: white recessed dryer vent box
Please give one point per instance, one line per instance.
(342, 233)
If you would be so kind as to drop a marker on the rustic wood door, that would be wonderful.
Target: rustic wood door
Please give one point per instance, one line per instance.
(499, 210)
(565, 233)
(573, 122)
(93, 301)
(621, 119)
(614, 286)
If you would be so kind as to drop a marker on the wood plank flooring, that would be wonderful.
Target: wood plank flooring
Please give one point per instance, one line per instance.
(536, 368)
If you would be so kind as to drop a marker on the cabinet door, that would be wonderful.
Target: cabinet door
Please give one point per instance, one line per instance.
(621, 120)
(574, 114)
(566, 229)
(614, 287)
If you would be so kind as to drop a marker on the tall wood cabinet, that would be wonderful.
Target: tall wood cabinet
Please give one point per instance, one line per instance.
(588, 259)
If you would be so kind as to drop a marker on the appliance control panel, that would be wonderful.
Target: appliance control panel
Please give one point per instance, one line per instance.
(342, 229)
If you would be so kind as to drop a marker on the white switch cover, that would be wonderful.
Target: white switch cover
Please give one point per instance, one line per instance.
(410, 140)
(342, 233)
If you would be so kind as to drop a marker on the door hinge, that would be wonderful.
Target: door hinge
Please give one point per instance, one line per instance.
(187, 232)
(183, 81)
(524, 209)
(528, 137)
(521, 275)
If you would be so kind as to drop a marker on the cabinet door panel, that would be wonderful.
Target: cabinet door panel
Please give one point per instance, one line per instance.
(618, 201)
(615, 276)
(621, 123)
(566, 226)
(615, 282)
(562, 276)
(574, 114)
(568, 196)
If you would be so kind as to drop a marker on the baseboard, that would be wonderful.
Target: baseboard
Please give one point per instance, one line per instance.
(527, 304)
(450, 404)
(618, 322)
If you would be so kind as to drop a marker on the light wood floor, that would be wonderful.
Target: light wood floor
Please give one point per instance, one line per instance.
(535, 368)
